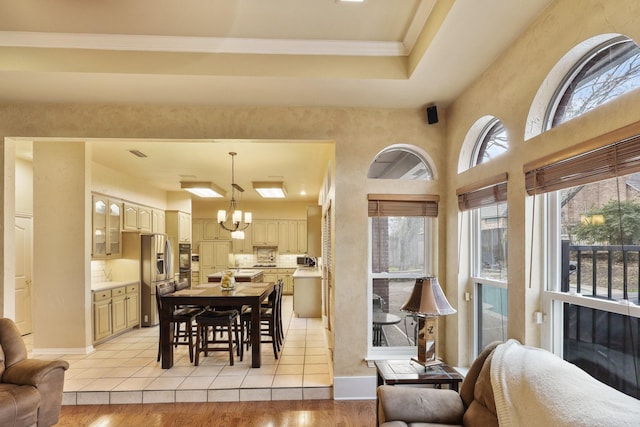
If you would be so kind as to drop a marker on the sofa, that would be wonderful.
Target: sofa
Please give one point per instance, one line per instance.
(510, 384)
(30, 389)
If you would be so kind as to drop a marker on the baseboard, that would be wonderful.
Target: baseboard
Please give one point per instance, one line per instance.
(74, 350)
(354, 388)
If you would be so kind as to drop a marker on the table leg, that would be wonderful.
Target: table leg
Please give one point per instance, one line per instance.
(166, 336)
(255, 335)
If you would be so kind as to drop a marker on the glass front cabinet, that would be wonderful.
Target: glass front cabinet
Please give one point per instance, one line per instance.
(107, 222)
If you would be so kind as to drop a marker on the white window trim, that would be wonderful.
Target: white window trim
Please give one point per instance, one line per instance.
(430, 236)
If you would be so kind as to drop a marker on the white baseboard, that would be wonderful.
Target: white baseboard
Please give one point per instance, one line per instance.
(354, 388)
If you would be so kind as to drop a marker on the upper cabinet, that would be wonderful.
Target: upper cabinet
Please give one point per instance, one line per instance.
(211, 230)
(265, 232)
(178, 226)
(158, 221)
(292, 236)
(136, 218)
(106, 220)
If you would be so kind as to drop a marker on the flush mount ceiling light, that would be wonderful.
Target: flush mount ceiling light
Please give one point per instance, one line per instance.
(202, 189)
(270, 189)
(236, 226)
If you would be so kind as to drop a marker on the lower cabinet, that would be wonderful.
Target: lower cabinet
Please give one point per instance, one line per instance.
(115, 310)
(287, 279)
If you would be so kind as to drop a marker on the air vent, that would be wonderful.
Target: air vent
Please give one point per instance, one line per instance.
(137, 153)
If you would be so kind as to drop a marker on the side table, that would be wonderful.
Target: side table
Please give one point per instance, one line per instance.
(399, 372)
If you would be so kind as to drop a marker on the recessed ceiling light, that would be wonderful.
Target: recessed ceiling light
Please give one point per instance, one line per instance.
(270, 190)
(202, 189)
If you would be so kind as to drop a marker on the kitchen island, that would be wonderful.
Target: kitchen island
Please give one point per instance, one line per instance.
(240, 276)
(307, 292)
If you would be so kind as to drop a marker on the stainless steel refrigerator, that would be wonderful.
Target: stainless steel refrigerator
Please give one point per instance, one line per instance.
(156, 269)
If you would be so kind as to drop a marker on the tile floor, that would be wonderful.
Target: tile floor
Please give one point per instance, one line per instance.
(125, 370)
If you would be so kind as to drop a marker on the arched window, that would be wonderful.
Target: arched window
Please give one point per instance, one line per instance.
(607, 71)
(399, 163)
(491, 143)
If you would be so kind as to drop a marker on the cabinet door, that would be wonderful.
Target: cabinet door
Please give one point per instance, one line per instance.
(283, 237)
(130, 218)
(119, 313)
(133, 308)
(158, 221)
(114, 221)
(302, 237)
(259, 234)
(204, 272)
(99, 214)
(184, 227)
(209, 229)
(144, 219)
(197, 226)
(101, 319)
(272, 233)
(221, 255)
(207, 258)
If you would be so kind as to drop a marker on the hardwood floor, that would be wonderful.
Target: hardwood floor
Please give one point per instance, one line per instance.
(289, 413)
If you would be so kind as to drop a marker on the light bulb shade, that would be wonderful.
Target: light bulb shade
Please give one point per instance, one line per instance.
(237, 216)
(247, 218)
(428, 299)
(222, 215)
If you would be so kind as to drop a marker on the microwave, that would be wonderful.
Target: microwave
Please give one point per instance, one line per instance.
(306, 261)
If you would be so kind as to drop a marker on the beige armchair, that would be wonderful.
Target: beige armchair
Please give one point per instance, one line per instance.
(30, 389)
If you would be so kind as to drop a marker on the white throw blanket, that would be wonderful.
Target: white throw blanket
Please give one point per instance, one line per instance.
(534, 387)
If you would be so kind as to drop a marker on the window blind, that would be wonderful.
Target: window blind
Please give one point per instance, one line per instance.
(486, 193)
(619, 158)
(403, 205)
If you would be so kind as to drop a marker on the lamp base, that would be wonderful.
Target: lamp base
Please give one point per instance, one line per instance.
(427, 364)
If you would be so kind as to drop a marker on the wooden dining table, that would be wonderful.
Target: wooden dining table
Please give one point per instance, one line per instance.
(212, 295)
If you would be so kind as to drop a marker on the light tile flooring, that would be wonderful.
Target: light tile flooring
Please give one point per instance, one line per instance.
(125, 370)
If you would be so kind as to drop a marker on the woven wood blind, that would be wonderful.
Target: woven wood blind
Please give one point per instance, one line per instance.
(403, 205)
(615, 159)
(485, 193)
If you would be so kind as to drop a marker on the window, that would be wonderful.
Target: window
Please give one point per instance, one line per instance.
(492, 142)
(604, 73)
(594, 255)
(400, 236)
(399, 162)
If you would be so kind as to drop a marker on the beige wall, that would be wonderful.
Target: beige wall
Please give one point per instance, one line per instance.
(359, 134)
(506, 90)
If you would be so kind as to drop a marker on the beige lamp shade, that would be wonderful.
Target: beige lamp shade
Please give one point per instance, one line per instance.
(427, 299)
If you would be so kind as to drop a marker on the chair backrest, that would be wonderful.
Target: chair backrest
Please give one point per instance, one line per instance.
(182, 284)
(162, 290)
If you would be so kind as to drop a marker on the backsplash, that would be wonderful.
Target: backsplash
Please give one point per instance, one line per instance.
(249, 260)
(100, 272)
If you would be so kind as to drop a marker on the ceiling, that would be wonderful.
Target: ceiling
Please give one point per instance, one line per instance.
(379, 53)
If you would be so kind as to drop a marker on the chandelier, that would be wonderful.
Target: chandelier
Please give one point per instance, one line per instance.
(236, 226)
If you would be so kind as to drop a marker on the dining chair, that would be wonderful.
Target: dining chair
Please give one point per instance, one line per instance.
(270, 317)
(181, 317)
(217, 319)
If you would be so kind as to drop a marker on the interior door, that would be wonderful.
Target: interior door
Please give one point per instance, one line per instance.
(23, 274)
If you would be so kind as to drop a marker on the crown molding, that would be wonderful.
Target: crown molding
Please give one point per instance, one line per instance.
(148, 43)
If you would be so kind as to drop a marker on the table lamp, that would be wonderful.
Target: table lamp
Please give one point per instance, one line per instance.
(427, 301)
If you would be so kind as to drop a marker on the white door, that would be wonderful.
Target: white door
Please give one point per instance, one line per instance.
(23, 274)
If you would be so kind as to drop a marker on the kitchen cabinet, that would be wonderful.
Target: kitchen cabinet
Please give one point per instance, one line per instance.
(287, 279)
(136, 218)
(106, 227)
(178, 227)
(195, 278)
(307, 293)
(244, 246)
(265, 232)
(211, 230)
(214, 257)
(115, 310)
(292, 236)
(158, 221)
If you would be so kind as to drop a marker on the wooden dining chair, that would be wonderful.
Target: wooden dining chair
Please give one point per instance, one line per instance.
(216, 319)
(270, 317)
(182, 320)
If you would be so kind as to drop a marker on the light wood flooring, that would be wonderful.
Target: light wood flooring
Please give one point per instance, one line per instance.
(297, 413)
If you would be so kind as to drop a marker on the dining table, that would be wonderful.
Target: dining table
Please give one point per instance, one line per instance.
(213, 295)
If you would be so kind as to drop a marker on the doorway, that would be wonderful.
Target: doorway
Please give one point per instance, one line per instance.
(23, 282)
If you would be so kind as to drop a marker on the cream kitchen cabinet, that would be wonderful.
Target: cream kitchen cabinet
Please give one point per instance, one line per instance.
(136, 218)
(287, 279)
(115, 310)
(178, 226)
(211, 230)
(292, 236)
(106, 226)
(158, 221)
(214, 257)
(265, 232)
(244, 246)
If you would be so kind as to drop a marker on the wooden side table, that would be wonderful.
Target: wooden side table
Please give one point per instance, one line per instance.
(399, 372)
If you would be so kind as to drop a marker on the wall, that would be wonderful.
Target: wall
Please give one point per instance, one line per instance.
(359, 134)
(506, 90)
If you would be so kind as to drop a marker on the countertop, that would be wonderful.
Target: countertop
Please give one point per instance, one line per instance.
(243, 272)
(103, 286)
(307, 272)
